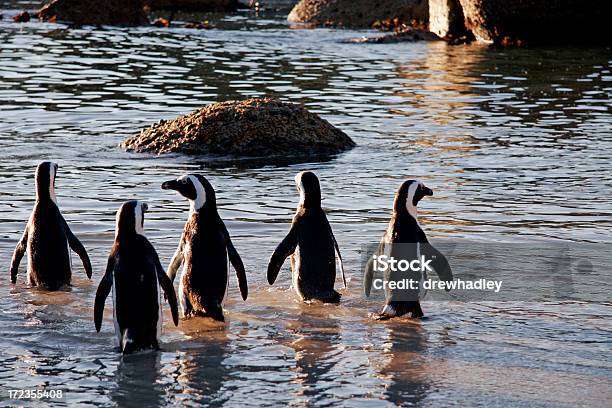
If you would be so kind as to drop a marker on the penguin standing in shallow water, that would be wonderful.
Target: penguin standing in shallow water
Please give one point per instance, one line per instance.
(46, 238)
(404, 239)
(312, 246)
(135, 275)
(203, 251)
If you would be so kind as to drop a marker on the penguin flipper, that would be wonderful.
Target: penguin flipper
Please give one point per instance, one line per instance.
(236, 261)
(439, 263)
(104, 289)
(339, 256)
(18, 254)
(77, 247)
(177, 259)
(168, 288)
(166, 285)
(282, 251)
(164, 280)
(369, 269)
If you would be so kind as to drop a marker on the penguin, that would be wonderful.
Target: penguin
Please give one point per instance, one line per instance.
(405, 239)
(135, 275)
(203, 251)
(47, 238)
(312, 246)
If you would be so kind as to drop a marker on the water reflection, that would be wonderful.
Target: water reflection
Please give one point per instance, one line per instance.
(137, 381)
(315, 340)
(203, 373)
(406, 369)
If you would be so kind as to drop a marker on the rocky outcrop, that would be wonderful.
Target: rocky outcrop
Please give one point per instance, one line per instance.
(537, 21)
(124, 12)
(359, 13)
(254, 127)
(446, 18)
(193, 5)
(409, 35)
(85, 12)
(22, 17)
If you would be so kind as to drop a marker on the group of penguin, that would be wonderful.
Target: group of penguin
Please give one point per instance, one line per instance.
(135, 275)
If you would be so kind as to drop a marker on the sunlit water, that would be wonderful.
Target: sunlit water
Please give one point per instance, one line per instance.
(517, 145)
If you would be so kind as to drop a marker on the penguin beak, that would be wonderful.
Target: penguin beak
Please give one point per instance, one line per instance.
(170, 185)
(427, 191)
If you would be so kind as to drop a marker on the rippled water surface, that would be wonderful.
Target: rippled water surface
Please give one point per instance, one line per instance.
(517, 145)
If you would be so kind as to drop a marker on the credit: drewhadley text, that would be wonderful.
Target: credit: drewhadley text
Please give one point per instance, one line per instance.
(429, 284)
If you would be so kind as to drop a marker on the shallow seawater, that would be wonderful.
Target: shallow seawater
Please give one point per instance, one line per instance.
(516, 144)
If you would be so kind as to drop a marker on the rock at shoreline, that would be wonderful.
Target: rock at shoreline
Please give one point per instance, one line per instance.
(446, 18)
(538, 21)
(359, 13)
(86, 12)
(409, 35)
(193, 5)
(22, 17)
(253, 127)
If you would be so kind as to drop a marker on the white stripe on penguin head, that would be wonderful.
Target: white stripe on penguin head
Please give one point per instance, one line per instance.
(200, 198)
(117, 220)
(52, 181)
(138, 217)
(412, 210)
(300, 185)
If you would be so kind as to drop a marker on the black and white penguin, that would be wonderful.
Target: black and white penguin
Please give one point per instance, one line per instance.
(135, 275)
(312, 246)
(203, 251)
(404, 239)
(46, 238)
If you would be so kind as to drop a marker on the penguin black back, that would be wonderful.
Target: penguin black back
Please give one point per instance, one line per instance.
(203, 251)
(311, 245)
(135, 275)
(405, 239)
(47, 237)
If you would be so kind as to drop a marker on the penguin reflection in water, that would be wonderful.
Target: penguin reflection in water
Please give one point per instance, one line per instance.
(203, 250)
(46, 238)
(312, 246)
(404, 239)
(135, 275)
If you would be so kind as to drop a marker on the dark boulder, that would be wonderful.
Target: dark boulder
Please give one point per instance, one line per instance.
(90, 12)
(538, 21)
(359, 13)
(446, 18)
(409, 35)
(22, 17)
(193, 5)
(253, 127)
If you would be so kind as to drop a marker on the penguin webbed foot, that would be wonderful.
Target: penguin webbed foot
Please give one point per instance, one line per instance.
(131, 348)
(215, 315)
(130, 345)
(329, 297)
(399, 309)
(325, 296)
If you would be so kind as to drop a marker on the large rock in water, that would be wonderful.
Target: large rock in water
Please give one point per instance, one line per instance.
(538, 21)
(446, 18)
(254, 127)
(359, 13)
(123, 12)
(192, 5)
